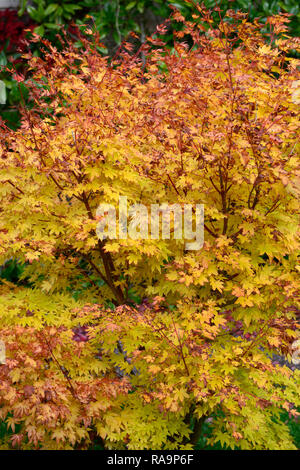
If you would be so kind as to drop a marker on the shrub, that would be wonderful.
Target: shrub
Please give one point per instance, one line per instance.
(138, 341)
(113, 19)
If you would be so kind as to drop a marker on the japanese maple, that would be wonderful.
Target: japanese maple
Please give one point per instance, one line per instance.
(139, 341)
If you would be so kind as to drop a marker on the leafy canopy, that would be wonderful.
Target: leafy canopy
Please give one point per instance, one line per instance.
(138, 341)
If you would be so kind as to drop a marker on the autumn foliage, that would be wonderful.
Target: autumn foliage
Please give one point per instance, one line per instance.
(136, 342)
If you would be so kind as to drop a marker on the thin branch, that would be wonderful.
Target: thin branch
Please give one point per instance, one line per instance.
(61, 368)
(181, 348)
(12, 184)
(171, 181)
(215, 235)
(274, 206)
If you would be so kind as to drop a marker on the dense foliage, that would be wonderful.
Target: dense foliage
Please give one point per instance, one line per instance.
(116, 18)
(113, 19)
(138, 341)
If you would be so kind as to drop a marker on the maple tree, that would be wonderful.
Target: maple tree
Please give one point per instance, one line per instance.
(139, 341)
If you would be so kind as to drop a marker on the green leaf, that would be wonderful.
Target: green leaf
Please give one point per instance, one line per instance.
(51, 8)
(141, 7)
(266, 6)
(59, 11)
(130, 6)
(52, 26)
(2, 92)
(71, 8)
(22, 9)
(40, 30)
(177, 5)
(31, 10)
(3, 59)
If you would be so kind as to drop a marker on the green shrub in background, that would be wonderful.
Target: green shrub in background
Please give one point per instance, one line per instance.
(116, 18)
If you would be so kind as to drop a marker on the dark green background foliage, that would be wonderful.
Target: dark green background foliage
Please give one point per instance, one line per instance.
(116, 18)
